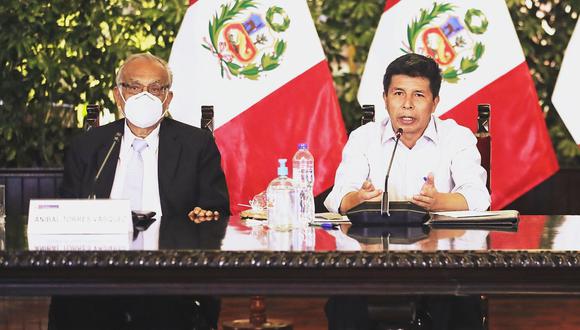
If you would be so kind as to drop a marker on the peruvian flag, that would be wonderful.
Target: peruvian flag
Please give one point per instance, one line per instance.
(565, 98)
(482, 61)
(262, 67)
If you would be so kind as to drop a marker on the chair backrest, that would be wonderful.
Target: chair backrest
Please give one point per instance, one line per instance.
(484, 139)
(207, 118)
(22, 184)
(92, 118)
(368, 114)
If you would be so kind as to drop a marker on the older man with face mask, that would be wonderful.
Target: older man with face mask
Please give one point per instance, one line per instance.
(160, 165)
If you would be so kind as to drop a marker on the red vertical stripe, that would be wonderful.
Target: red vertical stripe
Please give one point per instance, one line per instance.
(304, 110)
(390, 3)
(521, 150)
(191, 2)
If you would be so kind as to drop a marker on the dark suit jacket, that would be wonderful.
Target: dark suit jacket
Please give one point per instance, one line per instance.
(190, 172)
(189, 175)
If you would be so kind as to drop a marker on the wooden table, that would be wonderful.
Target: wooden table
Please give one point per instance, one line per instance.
(230, 257)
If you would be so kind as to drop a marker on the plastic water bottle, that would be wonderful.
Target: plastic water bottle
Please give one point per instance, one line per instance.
(282, 210)
(303, 175)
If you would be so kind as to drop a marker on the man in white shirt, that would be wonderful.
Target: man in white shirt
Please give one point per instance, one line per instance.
(437, 164)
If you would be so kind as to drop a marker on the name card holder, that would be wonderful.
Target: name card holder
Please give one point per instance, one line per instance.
(79, 216)
(80, 242)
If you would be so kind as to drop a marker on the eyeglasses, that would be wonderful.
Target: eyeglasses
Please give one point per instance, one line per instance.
(155, 89)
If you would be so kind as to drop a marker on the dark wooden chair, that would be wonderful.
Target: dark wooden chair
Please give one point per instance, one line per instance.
(207, 118)
(368, 114)
(91, 120)
(484, 139)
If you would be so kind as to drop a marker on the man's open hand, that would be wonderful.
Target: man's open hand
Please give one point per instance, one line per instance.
(367, 192)
(427, 197)
(432, 200)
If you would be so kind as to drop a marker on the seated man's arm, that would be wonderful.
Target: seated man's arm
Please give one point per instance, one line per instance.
(469, 192)
(213, 191)
(431, 199)
(351, 185)
(354, 198)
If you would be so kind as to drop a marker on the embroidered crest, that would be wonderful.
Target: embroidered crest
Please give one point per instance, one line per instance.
(247, 42)
(448, 39)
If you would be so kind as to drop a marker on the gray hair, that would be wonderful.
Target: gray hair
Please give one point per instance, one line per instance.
(147, 56)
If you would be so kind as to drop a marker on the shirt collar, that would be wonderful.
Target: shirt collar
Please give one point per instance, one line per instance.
(152, 139)
(430, 132)
(387, 129)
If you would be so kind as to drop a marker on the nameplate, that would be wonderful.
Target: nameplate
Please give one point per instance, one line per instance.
(79, 216)
(84, 242)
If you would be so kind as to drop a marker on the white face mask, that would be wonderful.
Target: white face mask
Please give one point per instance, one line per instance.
(144, 109)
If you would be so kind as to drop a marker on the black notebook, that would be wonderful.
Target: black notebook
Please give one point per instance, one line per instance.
(501, 220)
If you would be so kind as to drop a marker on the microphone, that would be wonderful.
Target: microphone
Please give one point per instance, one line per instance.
(385, 198)
(116, 140)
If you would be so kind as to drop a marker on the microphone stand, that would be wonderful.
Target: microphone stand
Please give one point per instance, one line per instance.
(116, 138)
(385, 198)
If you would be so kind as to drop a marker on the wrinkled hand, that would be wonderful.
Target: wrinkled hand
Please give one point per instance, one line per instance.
(428, 196)
(199, 215)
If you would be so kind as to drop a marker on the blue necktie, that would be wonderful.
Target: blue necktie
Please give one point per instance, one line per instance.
(134, 179)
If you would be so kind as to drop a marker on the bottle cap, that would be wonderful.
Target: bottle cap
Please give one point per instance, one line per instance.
(302, 146)
(282, 169)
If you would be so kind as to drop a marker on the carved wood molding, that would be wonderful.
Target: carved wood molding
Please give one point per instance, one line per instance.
(273, 260)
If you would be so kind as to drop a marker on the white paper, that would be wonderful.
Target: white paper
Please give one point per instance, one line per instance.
(466, 214)
(329, 217)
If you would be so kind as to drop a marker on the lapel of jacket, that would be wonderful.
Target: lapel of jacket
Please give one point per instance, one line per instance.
(168, 158)
(105, 183)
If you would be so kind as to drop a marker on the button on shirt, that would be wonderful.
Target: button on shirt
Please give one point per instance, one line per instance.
(446, 149)
(150, 196)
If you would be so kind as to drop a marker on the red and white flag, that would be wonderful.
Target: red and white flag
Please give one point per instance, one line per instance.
(482, 61)
(262, 67)
(564, 97)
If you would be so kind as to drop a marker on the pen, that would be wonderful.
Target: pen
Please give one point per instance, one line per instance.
(325, 225)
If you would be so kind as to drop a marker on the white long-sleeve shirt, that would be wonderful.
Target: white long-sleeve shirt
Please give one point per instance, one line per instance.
(446, 149)
(150, 197)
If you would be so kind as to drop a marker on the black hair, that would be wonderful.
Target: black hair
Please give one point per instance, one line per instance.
(415, 65)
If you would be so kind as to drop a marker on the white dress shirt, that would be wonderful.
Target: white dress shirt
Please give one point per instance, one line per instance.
(446, 149)
(151, 200)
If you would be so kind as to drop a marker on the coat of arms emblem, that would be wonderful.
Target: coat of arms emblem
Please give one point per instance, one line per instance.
(450, 40)
(247, 42)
